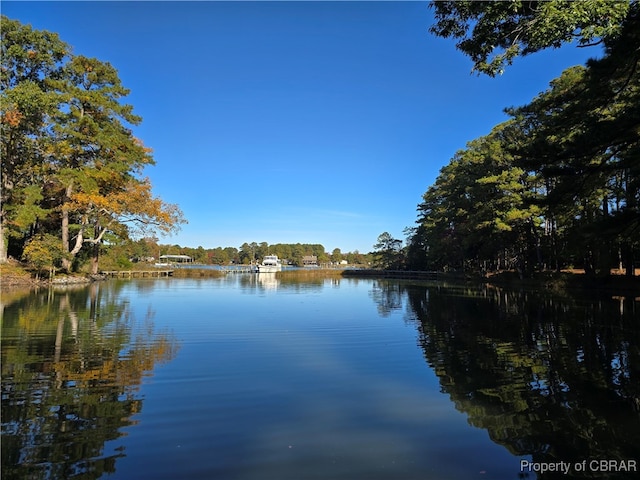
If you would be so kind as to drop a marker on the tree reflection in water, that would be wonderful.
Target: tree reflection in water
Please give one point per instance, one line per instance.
(72, 363)
(552, 377)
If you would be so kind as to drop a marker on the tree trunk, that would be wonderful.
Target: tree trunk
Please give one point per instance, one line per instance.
(554, 245)
(604, 260)
(627, 255)
(95, 247)
(589, 268)
(95, 255)
(70, 253)
(3, 241)
(66, 260)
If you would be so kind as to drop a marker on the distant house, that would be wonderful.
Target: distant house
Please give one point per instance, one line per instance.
(310, 261)
(174, 260)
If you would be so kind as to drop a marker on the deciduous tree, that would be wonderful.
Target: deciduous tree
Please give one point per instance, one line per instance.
(492, 34)
(70, 156)
(30, 58)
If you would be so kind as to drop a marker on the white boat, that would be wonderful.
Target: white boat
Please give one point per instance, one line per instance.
(270, 264)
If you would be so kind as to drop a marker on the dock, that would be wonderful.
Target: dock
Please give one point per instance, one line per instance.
(138, 273)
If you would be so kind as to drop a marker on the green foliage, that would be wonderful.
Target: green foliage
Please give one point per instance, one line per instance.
(291, 252)
(26, 209)
(43, 252)
(479, 211)
(387, 252)
(559, 183)
(71, 165)
(29, 58)
(28, 55)
(492, 34)
(583, 137)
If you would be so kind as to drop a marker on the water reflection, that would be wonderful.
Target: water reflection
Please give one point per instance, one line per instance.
(265, 282)
(268, 281)
(272, 382)
(553, 379)
(72, 362)
(388, 296)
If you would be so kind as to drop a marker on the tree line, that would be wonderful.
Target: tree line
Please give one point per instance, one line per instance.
(148, 250)
(71, 166)
(558, 184)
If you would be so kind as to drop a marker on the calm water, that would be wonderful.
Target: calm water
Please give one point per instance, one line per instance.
(250, 377)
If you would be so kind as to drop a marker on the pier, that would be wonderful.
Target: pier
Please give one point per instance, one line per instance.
(138, 273)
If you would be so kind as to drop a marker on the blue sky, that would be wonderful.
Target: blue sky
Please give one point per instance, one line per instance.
(287, 122)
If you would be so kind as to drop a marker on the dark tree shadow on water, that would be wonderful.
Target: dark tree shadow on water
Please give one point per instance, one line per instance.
(554, 378)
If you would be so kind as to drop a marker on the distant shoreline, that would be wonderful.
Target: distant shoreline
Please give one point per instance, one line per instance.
(14, 275)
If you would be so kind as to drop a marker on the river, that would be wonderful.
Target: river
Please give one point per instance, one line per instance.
(254, 377)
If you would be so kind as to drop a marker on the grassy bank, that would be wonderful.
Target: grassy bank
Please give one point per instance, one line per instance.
(310, 273)
(14, 273)
(197, 273)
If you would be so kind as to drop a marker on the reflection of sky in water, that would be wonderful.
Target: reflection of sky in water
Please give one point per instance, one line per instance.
(240, 377)
(270, 384)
